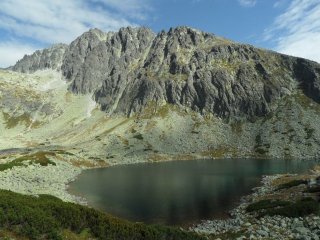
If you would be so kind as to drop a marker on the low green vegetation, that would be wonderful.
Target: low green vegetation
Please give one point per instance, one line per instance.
(34, 158)
(315, 189)
(260, 148)
(236, 127)
(13, 121)
(266, 204)
(153, 109)
(47, 217)
(63, 152)
(261, 151)
(291, 184)
(226, 64)
(309, 132)
(230, 235)
(299, 208)
(305, 101)
(10, 165)
(138, 136)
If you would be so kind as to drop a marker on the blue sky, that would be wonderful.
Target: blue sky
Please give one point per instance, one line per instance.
(287, 26)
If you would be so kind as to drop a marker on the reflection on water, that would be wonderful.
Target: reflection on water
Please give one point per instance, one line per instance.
(177, 192)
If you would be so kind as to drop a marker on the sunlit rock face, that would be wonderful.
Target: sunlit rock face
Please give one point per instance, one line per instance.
(127, 70)
(42, 59)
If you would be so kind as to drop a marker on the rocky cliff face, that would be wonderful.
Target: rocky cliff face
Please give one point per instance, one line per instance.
(133, 68)
(42, 59)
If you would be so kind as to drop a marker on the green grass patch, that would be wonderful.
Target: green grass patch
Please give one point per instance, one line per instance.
(230, 235)
(36, 158)
(291, 184)
(315, 189)
(226, 64)
(261, 151)
(298, 209)
(236, 127)
(13, 121)
(306, 102)
(309, 131)
(266, 204)
(138, 136)
(47, 217)
(259, 147)
(10, 165)
(63, 152)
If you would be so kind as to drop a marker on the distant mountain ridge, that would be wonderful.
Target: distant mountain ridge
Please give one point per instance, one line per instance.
(41, 59)
(134, 67)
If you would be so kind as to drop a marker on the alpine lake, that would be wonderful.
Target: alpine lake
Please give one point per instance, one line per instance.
(177, 192)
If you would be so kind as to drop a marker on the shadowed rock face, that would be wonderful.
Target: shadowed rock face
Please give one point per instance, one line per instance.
(127, 70)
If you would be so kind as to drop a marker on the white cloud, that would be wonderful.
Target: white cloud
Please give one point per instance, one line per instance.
(133, 8)
(297, 30)
(48, 22)
(279, 3)
(10, 52)
(247, 3)
(55, 21)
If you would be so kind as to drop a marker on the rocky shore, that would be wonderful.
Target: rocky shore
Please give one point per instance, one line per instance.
(36, 179)
(244, 225)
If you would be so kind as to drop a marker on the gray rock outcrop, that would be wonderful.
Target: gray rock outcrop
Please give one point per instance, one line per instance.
(47, 58)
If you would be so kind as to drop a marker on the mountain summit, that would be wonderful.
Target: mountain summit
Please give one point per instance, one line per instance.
(128, 69)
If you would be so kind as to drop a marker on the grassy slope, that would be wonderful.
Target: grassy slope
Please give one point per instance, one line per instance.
(41, 112)
(47, 217)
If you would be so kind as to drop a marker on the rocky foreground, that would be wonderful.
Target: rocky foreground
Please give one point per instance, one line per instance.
(245, 225)
(33, 177)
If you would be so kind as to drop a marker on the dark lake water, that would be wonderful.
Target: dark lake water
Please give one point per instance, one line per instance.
(179, 192)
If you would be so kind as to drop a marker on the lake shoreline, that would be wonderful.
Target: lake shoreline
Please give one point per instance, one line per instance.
(245, 225)
(82, 186)
(55, 180)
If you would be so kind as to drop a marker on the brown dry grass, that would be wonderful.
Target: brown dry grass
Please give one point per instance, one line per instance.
(150, 125)
(82, 163)
(220, 152)
(316, 169)
(288, 178)
(158, 157)
(114, 127)
(123, 140)
(89, 163)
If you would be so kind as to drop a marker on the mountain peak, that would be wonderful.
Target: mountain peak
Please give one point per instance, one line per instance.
(128, 69)
(185, 29)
